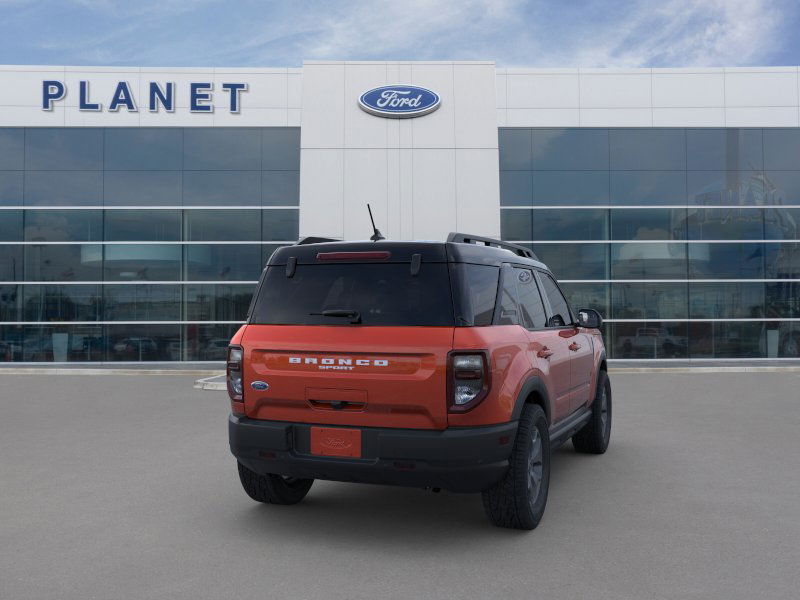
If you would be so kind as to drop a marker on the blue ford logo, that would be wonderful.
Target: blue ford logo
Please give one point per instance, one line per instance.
(259, 385)
(399, 101)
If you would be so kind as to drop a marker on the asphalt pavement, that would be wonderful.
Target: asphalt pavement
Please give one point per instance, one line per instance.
(115, 486)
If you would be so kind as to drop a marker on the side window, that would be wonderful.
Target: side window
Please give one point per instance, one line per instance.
(508, 299)
(558, 303)
(530, 301)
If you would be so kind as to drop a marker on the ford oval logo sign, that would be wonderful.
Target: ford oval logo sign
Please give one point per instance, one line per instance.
(399, 101)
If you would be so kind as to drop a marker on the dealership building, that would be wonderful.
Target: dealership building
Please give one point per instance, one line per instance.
(138, 206)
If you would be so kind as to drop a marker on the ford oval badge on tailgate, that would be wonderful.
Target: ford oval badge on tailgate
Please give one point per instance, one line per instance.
(399, 101)
(259, 385)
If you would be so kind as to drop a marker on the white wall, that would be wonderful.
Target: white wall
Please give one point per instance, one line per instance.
(424, 176)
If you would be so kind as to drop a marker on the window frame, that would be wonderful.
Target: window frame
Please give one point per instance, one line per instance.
(531, 270)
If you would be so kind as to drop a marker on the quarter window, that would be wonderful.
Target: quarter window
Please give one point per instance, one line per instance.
(558, 303)
(530, 301)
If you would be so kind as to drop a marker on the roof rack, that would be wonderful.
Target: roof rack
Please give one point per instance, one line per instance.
(315, 240)
(466, 238)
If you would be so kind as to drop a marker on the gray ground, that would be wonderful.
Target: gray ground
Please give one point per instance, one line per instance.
(123, 487)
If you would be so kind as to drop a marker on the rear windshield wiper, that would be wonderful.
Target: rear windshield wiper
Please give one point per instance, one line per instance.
(353, 315)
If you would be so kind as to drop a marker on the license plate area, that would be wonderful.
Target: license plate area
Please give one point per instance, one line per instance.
(335, 441)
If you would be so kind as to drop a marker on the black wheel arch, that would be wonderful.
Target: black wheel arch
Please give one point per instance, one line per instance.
(533, 391)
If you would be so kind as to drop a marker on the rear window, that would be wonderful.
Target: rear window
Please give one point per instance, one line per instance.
(383, 294)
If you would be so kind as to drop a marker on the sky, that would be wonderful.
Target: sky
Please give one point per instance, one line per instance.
(566, 33)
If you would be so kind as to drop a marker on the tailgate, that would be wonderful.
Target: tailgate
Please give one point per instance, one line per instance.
(346, 375)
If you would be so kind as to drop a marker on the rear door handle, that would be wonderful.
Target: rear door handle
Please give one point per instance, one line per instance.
(574, 347)
(544, 353)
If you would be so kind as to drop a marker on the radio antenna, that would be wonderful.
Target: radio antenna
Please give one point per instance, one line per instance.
(377, 235)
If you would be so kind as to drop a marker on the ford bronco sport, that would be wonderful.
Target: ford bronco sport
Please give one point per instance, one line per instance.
(456, 365)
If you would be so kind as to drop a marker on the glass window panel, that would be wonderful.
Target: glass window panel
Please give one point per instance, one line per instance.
(648, 149)
(783, 341)
(530, 300)
(62, 343)
(781, 223)
(582, 224)
(726, 300)
(516, 188)
(222, 225)
(280, 224)
(12, 148)
(730, 188)
(280, 188)
(11, 339)
(516, 225)
(575, 261)
(648, 261)
(222, 148)
(11, 190)
(208, 342)
(782, 261)
(63, 225)
(509, 308)
(648, 187)
(218, 302)
(724, 149)
(782, 148)
(143, 148)
(726, 261)
(235, 262)
(570, 188)
(570, 149)
(727, 340)
(10, 226)
(142, 188)
(142, 225)
(11, 263)
(726, 224)
(63, 262)
(221, 188)
(783, 187)
(62, 303)
(649, 224)
(10, 307)
(515, 149)
(587, 295)
(143, 343)
(280, 148)
(650, 339)
(63, 148)
(636, 300)
(142, 302)
(783, 299)
(153, 262)
(560, 313)
(65, 188)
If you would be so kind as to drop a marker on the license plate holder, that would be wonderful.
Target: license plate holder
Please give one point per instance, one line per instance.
(336, 441)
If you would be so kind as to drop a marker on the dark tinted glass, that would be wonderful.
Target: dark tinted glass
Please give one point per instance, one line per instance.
(648, 261)
(11, 193)
(530, 300)
(65, 188)
(63, 149)
(383, 294)
(143, 148)
(557, 224)
(142, 302)
(555, 188)
(280, 149)
(509, 311)
(781, 223)
(208, 342)
(516, 224)
(11, 263)
(560, 314)
(783, 340)
(10, 226)
(724, 149)
(142, 225)
(730, 188)
(221, 188)
(64, 262)
(516, 188)
(142, 188)
(648, 187)
(218, 302)
(62, 303)
(280, 188)
(648, 149)
(10, 306)
(63, 225)
(475, 292)
(148, 262)
(232, 262)
(726, 300)
(222, 148)
(575, 261)
(726, 261)
(12, 148)
(222, 225)
(648, 224)
(143, 342)
(570, 149)
(782, 261)
(515, 149)
(280, 224)
(727, 340)
(637, 300)
(726, 224)
(783, 187)
(783, 299)
(782, 148)
(651, 339)
(62, 343)
(588, 295)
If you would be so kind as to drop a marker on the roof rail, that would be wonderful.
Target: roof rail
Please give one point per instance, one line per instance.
(315, 240)
(466, 238)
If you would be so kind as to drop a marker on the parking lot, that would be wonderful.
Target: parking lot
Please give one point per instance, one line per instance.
(117, 486)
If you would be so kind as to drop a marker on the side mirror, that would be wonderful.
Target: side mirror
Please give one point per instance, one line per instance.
(589, 318)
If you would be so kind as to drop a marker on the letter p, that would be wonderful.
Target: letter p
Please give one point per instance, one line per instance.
(51, 91)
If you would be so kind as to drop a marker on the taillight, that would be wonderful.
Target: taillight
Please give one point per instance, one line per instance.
(468, 379)
(234, 372)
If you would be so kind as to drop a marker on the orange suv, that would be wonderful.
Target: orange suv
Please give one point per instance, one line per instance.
(456, 365)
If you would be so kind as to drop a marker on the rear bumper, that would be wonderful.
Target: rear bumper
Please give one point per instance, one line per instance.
(458, 459)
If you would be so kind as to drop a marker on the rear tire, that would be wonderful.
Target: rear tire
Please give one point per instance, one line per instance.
(595, 435)
(273, 489)
(518, 500)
